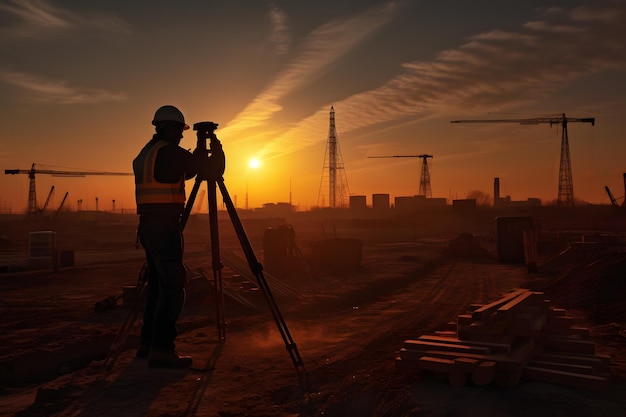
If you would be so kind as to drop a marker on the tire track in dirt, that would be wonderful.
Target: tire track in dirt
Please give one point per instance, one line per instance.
(423, 306)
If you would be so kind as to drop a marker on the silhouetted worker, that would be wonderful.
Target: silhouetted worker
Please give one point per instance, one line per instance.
(161, 169)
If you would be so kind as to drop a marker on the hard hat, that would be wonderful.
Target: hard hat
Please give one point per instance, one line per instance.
(169, 114)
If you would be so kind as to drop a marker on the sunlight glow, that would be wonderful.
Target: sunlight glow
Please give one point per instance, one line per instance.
(254, 163)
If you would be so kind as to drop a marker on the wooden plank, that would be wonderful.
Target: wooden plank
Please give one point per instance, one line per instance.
(516, 303)
(567, 344)
(594, 361)
(565, 378)
(464, 319)
(465, 365)
(504, 348)
(429, 363)
(489, 327)
(513, 362)
(459, 348)
(488, 309)
(563, 366)
(579, 331)
(446, 333)
(414, 355)
(484, 373)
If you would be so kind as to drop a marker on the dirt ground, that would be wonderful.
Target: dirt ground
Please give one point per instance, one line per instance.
(347, 325)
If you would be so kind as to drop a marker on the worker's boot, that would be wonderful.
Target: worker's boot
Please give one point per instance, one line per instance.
(158, 358)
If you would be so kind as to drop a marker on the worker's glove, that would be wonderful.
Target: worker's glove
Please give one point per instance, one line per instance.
(212, 168)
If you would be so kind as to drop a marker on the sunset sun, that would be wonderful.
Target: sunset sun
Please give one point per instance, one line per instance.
(254, 163)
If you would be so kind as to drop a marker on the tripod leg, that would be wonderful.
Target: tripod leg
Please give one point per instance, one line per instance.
(216, 261)
(122, 334)
(190, 201)
(257, 270)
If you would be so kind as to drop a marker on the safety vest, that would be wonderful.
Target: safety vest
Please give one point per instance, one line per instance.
(149, 190)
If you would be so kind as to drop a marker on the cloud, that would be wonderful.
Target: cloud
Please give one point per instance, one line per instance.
(48, 91)
(492, 71)
(279, 36)
(37, 18)
(320, 50)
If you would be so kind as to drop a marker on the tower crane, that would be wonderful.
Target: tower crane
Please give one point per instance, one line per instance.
(424, 189)
(32, 196)
(566, 187)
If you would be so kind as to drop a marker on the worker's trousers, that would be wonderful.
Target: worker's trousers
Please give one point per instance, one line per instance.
(162, 240)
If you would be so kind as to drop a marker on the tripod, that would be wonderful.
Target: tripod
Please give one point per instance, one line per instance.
(206, 130)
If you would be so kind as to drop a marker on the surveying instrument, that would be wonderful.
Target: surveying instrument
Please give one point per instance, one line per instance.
(206, 131)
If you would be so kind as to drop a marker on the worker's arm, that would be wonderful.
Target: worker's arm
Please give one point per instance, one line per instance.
(173, 162)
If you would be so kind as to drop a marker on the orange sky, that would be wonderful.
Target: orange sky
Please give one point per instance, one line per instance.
(80, 84)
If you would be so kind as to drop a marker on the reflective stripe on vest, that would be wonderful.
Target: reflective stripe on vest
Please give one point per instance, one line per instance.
(150, 190)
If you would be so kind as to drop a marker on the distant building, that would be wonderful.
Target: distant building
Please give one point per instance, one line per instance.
(380, 201)
(358, 202)
(530, 202)
(275, 209)
(464, 206)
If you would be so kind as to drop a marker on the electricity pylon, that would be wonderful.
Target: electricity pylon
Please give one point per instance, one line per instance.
(334, 183)
(424, 189)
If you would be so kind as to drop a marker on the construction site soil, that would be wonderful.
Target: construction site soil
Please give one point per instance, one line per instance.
(348, 324)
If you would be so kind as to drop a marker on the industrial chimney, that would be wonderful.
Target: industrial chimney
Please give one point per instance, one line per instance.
(496, 192)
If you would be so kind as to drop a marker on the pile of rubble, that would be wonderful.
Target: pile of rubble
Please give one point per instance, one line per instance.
(519, 336)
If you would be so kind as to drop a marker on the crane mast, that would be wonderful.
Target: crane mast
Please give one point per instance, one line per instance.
(424, 188)
(566, 187)
(32, 196)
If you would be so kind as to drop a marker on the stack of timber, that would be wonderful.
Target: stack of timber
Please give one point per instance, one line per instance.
(519, 336)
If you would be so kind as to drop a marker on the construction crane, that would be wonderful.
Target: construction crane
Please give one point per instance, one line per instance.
(62, 203)
(424, 189)
(32, 195)
(611, 197)
(566, 187)
(45, 205)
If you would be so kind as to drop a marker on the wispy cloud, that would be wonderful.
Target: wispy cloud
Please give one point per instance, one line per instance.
(492, 71)
(40, 90)
(36, 18)
(319, 51)
(279, 36)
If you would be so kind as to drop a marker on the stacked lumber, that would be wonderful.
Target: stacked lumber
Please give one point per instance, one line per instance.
(519, 336)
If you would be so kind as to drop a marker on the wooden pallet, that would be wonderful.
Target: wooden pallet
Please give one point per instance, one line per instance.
(519, 336)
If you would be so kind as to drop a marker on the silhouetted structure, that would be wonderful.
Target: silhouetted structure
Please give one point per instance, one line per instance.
(334, 177)
(566, 186)
(424, 188)
(32, 196)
